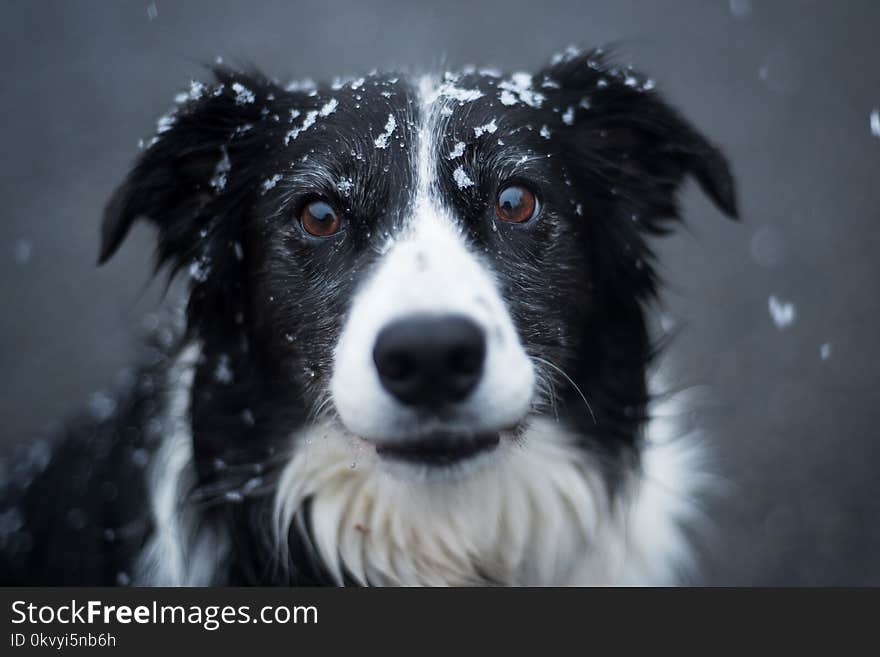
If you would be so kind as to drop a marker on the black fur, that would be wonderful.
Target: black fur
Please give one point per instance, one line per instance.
(267, 301)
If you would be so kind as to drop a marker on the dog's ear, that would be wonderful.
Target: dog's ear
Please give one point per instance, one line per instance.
(615, 119)
(187, 166)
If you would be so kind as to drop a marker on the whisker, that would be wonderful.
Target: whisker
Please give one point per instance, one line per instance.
(548, 394)
(571, 381)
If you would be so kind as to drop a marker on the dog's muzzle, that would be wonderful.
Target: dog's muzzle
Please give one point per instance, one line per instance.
(428, 367)
(430, 363)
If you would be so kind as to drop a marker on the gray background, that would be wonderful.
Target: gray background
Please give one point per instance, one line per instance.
(786, 87)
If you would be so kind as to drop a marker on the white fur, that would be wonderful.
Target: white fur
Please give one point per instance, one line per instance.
(429, 269)
(183, 550)
(540, 515)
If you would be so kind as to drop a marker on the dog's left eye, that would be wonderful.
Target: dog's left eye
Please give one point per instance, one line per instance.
(319, 219)
(516, 204)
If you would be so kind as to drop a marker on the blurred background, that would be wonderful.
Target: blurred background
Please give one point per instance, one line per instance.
(776, 317)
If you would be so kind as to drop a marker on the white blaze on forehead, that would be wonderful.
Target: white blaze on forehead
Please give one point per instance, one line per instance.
(427, 268)
(425, 167)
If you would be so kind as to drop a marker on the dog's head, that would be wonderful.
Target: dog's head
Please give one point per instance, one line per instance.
(426, 265)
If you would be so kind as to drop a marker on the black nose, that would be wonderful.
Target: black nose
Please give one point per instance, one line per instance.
(430, 360)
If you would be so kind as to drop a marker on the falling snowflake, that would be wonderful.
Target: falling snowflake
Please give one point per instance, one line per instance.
(22, 251)
(741, 8)
(783, 313)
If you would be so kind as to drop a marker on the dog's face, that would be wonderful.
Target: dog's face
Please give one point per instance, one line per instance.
(424, 264)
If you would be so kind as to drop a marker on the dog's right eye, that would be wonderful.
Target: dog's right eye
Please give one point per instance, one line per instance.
(516, 204)
(319, 219)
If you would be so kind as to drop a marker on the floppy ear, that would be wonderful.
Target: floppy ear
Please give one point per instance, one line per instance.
(187, 166)
(616, 122)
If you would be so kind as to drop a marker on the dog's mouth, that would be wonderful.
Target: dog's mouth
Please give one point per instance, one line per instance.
(439, 449)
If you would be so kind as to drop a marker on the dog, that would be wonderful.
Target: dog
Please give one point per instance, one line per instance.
(414, 349)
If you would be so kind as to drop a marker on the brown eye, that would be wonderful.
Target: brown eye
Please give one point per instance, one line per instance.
(319, 219)
(516, 204)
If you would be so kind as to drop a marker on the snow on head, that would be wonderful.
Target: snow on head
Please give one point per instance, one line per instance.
(783, 313)
(566, 56)
(196, 91)
(461, 178)
(457, 151)
(163, 124)
(243, 95)
(449, 90)
(269, 183)
(301, 85)
(329, 107)
(307, 123)
(568, 116)
(218, 181)
(382, 140)
(488, 128)
(344, 185)
(519, 89)
(463, 95)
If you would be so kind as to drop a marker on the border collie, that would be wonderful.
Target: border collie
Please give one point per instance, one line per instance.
(415, 348)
